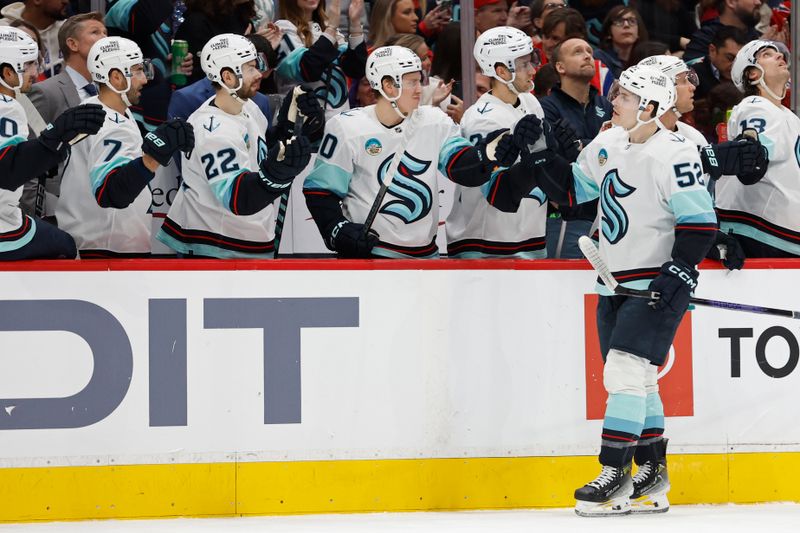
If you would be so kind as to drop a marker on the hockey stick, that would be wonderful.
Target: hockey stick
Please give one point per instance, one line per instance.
(294, 115)
(593, 255)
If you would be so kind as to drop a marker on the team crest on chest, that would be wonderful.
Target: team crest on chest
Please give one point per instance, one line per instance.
(373, 146)
(602, 157)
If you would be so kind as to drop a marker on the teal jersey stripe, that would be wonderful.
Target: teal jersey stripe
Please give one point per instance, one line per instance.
(626, 407)
(620, 424)
(536, 254)
(119, 15)
(693, 206)
(639, 284)
(768, 143)
(654, 411)
(761, 236)
(586, 189)
(328, 177)
(222, 186)
(451, 146)
(12, 141)
(205, 249)
(391, 254)
(289, 66)
(97, 176)
(16, 244)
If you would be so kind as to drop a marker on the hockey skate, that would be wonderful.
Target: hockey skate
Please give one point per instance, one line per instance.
(651, 482)
(607, 495)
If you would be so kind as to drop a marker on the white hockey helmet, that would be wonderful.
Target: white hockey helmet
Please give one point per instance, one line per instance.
(503, 45)
(748, 57)
(672, 66)
(116, 53)
(227, 50)
(650, 85)
(393, 62)
(17, 49)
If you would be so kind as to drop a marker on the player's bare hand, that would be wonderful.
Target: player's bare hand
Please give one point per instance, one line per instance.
(437, 18)
(354, 13)
(519, 17)
(442, 91)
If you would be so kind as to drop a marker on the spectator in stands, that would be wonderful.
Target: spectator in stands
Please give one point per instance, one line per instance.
(715, 67)
(432, 24)
(205, 19)
(622, 29)
(361, 94)
(447, 59)
(148, 23)
(519, 16)
(46, 16)
(389, 17)
(594, 13)
(669, 21)
(560, 25)
(539, 10)
(743, 14)
(68, 88)
(312, 51)
(645, 49)
(490, 14)
(577, 103)
(545, 79)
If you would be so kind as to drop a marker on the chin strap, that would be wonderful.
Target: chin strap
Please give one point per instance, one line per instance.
(9, 87)
(763, 85)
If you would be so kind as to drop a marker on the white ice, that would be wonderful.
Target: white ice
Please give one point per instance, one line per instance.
(771, 518)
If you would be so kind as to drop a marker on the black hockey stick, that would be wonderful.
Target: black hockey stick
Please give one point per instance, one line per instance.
(593, 255)
(283, 205)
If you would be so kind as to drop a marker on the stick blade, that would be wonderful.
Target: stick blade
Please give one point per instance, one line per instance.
(593, 255)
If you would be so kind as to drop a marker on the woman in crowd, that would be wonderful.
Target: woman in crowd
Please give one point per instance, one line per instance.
(622, 29)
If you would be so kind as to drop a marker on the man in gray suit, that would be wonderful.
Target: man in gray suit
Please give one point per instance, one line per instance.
(67, 89)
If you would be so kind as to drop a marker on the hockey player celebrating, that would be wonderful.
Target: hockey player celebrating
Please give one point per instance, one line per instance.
(224, 208)
(763, 216)
(498, 219)
(105, 197)
(362, 147)
(21, 236)
(657, 223)
(744, 157)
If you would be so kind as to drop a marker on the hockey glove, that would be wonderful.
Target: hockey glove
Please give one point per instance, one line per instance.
(167, 139)
(313, 116)
(569, 144)
(728, 250)
(527, 131)
(675, 284)
(283, 163)
(498, 146)
(349, 240)
(741, 156)
(81, 120)
(754, 170)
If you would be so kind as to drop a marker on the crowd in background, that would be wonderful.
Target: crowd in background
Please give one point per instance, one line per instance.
(583, 45)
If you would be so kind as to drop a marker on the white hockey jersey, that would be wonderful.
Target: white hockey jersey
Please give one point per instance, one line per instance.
(16, 230)
(98, 230)
(331, 90)
(474, 227)
(767, 211)
(200, 220)
(647, 192)
(355, 154)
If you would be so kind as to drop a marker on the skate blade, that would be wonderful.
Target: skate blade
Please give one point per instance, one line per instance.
(650, 503)
(621, 506)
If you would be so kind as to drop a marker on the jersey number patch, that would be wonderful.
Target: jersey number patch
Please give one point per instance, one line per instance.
(226, 164)
(8, 127)
(614, 220)
(414, 197)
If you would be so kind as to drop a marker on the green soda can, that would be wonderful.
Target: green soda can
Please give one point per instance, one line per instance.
(179, 50)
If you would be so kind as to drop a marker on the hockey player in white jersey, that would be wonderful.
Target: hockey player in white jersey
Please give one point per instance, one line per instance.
(764, 216)
(21, 236)
(744, 157)
(499, 219)
(358, 150)
(225, 206)
(105, 198)
(657, 224)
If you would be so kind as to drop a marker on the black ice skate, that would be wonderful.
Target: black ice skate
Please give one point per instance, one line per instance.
(608, 495)
(651, 482)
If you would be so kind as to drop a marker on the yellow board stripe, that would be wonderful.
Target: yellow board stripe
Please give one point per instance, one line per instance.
(227, 489)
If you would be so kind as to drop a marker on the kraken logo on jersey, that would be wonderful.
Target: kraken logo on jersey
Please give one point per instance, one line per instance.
(414, 196)
(797, 150)
(334, 92)
(614, 221)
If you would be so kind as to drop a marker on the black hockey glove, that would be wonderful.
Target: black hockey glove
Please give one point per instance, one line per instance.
(167, 139)
(527, 131)
(350, 242)
(569, 144)
(498, 146)
(313, 117)
(80, 120)
(728, 250)
(742, 156)
(283, 163)
(674, 283)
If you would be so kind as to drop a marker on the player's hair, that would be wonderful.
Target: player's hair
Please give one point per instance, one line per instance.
(749, 88)
(380, 21)
(289, 10)
(574, 23)
(72, 27)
